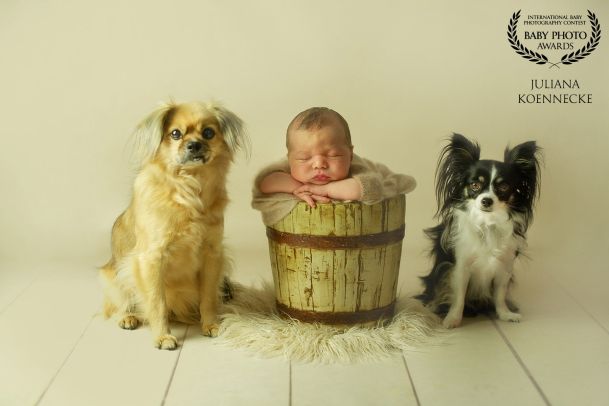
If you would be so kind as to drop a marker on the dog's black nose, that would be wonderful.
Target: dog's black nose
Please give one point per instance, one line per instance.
(194, 146)
(487, 202)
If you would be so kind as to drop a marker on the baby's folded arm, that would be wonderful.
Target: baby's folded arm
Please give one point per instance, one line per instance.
(279, 182)
(345, 189)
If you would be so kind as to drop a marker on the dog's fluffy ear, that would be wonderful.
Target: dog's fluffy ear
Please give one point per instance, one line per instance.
(526, 159)
(232, 127)
(462, 151)
(456, 157)
(149, 133)
(525, 155)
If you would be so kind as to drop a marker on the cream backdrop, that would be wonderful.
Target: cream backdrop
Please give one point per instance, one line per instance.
(77, 76)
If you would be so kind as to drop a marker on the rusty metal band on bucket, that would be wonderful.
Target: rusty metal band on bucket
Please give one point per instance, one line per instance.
(336, 242)
(362, 316)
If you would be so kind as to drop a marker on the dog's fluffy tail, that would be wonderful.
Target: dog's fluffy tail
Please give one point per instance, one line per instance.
(437, 291)
(227, 293)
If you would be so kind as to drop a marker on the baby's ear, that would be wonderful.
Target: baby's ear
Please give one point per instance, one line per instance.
(232, 128)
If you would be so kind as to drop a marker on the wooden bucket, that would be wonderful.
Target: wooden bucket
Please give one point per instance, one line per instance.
(339, 262)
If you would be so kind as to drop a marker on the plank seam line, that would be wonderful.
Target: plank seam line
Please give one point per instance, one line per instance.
(175, 366)
(290, 385)
(521, 362)
(584, 308)
(29, 285)
(414, 389)
(65, 361)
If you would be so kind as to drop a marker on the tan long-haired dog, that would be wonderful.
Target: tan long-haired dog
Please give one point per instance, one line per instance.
(167, 252)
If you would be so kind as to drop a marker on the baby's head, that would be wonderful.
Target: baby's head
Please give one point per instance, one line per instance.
(319, 146)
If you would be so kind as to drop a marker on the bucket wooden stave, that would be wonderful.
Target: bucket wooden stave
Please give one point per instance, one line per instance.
(338, 263)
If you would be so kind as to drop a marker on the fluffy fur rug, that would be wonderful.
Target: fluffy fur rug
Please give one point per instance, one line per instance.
(251, 322)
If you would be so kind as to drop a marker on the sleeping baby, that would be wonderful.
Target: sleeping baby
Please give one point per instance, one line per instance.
(321, 167)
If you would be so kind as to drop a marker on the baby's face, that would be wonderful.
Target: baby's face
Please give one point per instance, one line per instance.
(319, 156)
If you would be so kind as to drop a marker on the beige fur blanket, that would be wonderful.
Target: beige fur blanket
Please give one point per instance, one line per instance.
(250, 322)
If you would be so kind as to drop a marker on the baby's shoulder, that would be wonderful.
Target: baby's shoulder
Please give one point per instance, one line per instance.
(361, 164)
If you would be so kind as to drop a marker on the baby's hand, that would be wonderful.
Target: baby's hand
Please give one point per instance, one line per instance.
(319, 190)
(346, 189)
(312, 193)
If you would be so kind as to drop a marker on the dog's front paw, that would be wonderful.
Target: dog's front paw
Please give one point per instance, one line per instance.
(509, 316)
(210, 330)
(166, 342)
(129, 323)
(452, 320)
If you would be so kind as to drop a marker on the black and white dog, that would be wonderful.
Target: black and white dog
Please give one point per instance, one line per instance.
(485, 208)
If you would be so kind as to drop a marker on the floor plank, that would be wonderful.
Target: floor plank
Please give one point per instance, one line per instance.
(111, 366)
(15, 278)
(41, 328)
(56, 349)
(565, 350)
(379, 383)
(587, 288)
(473, 366)
(209, 373)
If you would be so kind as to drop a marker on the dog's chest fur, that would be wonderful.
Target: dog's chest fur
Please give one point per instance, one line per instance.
(179, 217)
(182, 224)
(198, 211)
(484, 243)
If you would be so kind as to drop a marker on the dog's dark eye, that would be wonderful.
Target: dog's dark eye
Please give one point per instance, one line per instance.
(503, 187)
(176, 134)
(475, 186)
(208, 133)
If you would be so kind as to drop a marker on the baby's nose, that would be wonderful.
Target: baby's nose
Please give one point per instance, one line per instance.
(319, 162)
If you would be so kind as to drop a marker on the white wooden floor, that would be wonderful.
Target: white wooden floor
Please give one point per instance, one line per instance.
(56, 350)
